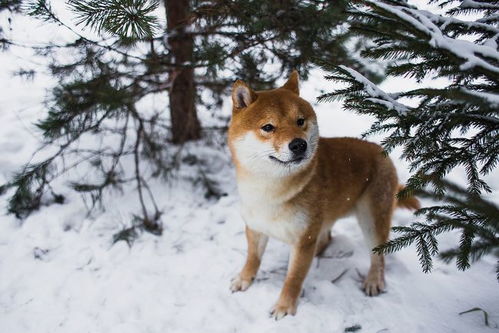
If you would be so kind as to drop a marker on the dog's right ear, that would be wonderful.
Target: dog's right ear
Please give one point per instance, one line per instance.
(242, 95)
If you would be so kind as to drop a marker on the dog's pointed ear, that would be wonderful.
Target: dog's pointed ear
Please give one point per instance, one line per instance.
(242, 95)
(292, 83)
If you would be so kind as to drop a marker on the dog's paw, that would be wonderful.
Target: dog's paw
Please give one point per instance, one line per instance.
(374, 284)
(282, 309)
(240, 284)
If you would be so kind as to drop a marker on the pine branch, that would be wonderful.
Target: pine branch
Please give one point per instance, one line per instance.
(42, 10)
(455, 126)
(131, 19)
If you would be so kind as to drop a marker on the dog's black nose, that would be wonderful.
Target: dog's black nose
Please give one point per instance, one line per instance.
(298, 146)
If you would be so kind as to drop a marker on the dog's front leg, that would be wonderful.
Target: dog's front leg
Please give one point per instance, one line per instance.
(256, 246)
(300, 259)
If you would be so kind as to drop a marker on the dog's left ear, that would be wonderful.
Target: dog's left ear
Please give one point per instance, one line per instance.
(292, 83)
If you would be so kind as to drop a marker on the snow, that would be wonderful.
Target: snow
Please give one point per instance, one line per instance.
(477, 5)
(474, 55)
(377, 95)
(60, 272)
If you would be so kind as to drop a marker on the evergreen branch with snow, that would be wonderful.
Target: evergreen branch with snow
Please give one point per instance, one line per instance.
(455, 126)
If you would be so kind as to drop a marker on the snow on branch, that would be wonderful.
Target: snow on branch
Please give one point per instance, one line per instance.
(470, 4)
(377, 95)
(473, 55)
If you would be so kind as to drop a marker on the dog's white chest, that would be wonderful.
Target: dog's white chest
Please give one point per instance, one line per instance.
(261, 213)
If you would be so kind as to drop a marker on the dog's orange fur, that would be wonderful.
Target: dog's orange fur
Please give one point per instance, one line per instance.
(341, 176)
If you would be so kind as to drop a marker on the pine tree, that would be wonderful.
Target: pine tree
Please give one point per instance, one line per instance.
(205, 45)
(456, 126)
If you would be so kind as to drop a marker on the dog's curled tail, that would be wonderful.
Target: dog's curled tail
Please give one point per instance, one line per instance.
(409, 202)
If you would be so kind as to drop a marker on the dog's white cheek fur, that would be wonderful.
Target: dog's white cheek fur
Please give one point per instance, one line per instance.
(312, 137)
(254, 154)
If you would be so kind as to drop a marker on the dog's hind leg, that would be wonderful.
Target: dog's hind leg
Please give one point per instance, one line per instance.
(256, 246)
(374, 213)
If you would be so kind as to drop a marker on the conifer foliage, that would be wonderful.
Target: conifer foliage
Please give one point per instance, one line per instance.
(452, 127)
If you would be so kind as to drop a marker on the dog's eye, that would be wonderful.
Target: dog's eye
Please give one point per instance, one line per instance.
(300, 122)
(268, 128)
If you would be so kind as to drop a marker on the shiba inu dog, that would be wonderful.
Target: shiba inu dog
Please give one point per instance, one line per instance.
(294, 185)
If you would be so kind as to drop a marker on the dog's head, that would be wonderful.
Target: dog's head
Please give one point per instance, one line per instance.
(272, 131)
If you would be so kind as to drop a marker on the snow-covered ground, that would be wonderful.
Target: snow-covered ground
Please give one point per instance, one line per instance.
(60, 272)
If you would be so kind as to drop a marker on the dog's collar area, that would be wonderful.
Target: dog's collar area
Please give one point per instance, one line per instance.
(295, 160)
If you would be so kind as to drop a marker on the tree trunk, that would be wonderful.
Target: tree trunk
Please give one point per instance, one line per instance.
(184, 120)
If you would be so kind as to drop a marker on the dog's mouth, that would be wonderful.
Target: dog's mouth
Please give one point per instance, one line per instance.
(296, 160)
